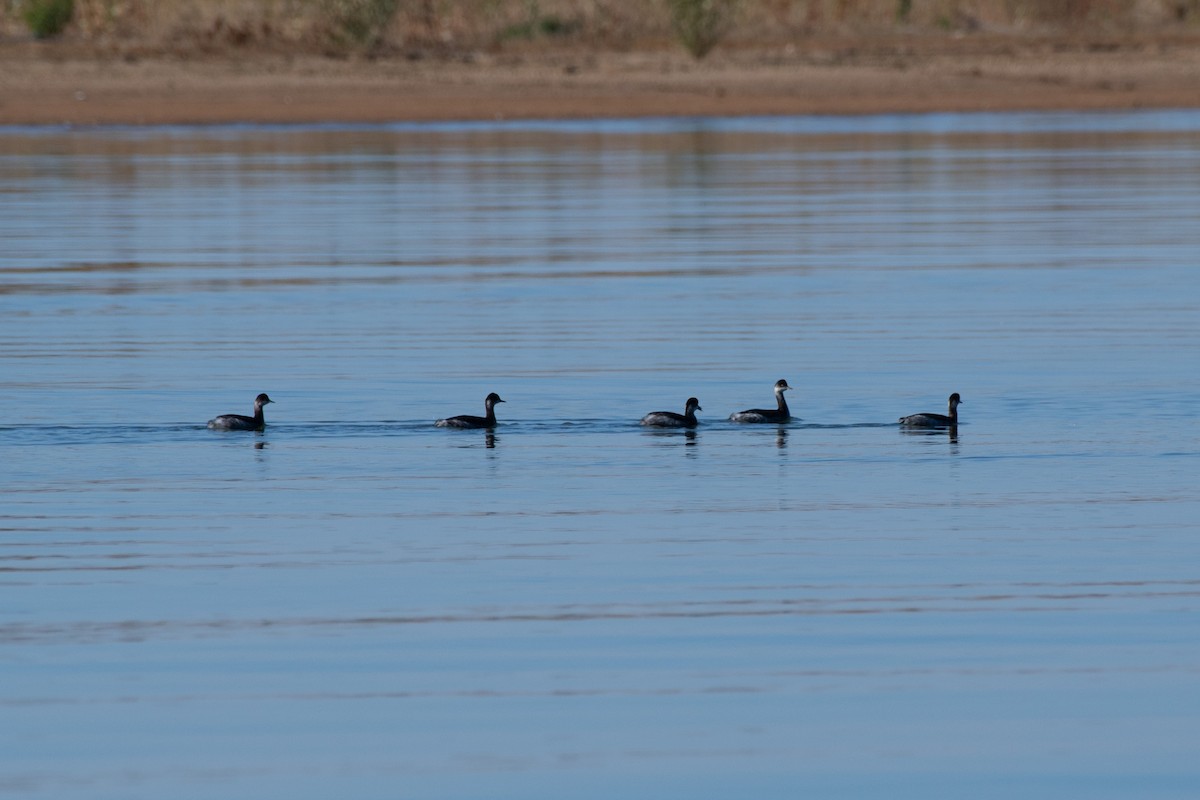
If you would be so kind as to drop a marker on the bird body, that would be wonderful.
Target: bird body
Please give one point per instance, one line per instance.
(240, 422)
(930, 420)
(471, 421)
(669, 419)
(778, 414)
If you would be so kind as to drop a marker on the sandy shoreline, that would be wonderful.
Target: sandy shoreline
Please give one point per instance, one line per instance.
(37, 88)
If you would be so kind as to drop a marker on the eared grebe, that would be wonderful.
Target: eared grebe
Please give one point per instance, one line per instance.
(669, 419)
(935, 420)
(238, 422)
(469, 421)
(780, 414)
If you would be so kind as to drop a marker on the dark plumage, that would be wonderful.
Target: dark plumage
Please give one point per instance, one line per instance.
(928, 420)
(470, 421)
(779, 414)
(240, 422)
(669, 419)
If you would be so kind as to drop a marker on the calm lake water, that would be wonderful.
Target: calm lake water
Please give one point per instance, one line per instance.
(357, 604)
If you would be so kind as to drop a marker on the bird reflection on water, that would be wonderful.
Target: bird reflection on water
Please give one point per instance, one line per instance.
(949, 431)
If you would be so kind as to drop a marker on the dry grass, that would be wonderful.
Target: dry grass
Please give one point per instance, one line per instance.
(453, 27)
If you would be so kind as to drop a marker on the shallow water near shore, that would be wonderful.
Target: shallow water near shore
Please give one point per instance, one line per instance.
(354, 602)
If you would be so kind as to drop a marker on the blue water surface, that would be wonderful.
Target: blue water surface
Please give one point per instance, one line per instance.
(355, 603)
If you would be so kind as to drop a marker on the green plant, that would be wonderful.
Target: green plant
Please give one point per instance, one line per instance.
(47, 18)
(359, 22)
(543, 26)
(538, 24)
(700, 24)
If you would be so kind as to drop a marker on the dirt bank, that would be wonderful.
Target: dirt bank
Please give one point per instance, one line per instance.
(45, 84)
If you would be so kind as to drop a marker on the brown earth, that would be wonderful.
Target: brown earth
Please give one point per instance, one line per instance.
(42, 83)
